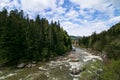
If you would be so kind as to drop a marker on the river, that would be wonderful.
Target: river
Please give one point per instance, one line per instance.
(59, 69)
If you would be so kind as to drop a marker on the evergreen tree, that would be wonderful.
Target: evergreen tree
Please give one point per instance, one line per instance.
(23, 39)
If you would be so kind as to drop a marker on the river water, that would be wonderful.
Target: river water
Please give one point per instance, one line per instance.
(53, 70)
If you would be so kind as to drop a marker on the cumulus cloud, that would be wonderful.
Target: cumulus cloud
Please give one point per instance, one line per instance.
(116, 3)
(38, 5)
(9, 4)
(77, 17)
(85, 29)
(71, 14)
(60, 2)
(98, 4)
(112, 21)
(106, 6)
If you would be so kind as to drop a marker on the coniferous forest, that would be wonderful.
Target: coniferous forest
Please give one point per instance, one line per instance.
(23, 39)
(108, 44)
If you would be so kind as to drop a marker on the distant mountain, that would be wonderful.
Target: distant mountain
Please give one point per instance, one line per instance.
(75, 37)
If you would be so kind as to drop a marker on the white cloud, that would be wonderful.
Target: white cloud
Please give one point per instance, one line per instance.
(59, 10)
(3, 3)
(78, 21)
(9, 5)
(116, 3)
(69, 25)
(113, 21)
(38, 5)
(71, 15)
(100, 5)
(90, 3)
(88, 27)
(60, 2)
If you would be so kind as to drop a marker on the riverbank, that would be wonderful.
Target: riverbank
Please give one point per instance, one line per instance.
(94, 52)
(58, 69)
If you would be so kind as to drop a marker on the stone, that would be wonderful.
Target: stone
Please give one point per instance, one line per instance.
(29, 65)
(21, 65)
(33, 62)
(42, 68)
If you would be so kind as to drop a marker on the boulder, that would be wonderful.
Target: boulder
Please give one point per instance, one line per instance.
(21, 65)
(75, 71)
(42, 68)
(29, 65)
(33, 62)
(74, 59)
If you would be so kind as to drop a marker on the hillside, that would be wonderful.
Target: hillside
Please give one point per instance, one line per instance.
(75, 37)
(107, 43)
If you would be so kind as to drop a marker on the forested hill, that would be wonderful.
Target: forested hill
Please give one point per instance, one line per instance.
(23, 39)
(74, 37)
(108, 43)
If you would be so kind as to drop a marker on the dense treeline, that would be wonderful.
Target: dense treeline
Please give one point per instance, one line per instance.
(24, 39)
(108, 43)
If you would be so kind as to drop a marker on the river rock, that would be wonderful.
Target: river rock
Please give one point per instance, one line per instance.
(74, 59)
(75, 71)
(21, 65)
(33, 62)
(29, 65)
(42, 68)
(60, 67)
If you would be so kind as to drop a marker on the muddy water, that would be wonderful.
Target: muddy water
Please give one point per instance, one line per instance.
(53, 70)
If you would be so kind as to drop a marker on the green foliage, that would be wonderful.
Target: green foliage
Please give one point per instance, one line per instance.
(97, 46)
(111, 71)
(92, 70)
(113, 49)
(108, 42)
(24, 39)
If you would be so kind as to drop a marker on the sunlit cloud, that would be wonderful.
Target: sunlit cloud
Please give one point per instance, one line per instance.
(77, 17)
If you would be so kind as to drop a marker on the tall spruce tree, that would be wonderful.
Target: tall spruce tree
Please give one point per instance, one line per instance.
(23, 39)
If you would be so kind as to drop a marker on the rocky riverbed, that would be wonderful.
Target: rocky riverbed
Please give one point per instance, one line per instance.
(71, 67)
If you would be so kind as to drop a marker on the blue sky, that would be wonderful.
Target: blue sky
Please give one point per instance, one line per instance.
(77, 17)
